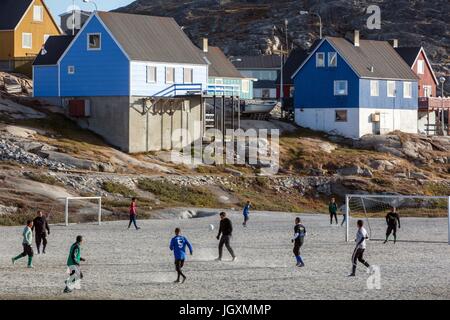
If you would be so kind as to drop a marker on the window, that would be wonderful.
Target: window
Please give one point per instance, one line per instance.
(427, 91)
(38, 13)
(320, 59)
(374, 88)
(27, 40)
(420, 67)
(94, 41)
(340, 116)
(218, 81)
(340, 87)
(265, 93)
(46, 36)
(151, 74)
(407, 89)
(332, 59)
(391, 89)
(187, 75)
(245, 86)
(170, 75)
(71, 69)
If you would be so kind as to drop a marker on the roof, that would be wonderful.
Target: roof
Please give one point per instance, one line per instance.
(55, 47)
(150, 38)
(379, 56)
(409, 54)
(258, 62)
(295, 59)
(11, 12)
(220, 65)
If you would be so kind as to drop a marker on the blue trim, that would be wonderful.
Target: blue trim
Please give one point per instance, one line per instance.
(186, 89)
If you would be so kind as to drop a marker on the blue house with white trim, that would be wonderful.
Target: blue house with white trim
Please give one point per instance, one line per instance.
(355, 88)
(132, 79)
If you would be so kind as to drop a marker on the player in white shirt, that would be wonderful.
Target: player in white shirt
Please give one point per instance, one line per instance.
(361, 236)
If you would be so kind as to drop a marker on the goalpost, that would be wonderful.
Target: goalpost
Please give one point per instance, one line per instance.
(66, 207)
(428, 216)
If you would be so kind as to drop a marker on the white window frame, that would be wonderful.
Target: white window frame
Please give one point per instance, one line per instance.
(173, 74)
(374, 84)
(388, 83)
(427, 88)
(46, 36)
(191, 72)
(70, 69)
(31, 40)
(420, 66)
(88, 42)
(322, 54)
(245, 86)
(330, 56)
(155, 78)
(407, 84)
(336, 93)
(41, 13)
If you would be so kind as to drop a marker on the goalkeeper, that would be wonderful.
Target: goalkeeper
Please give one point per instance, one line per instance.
(391, 219)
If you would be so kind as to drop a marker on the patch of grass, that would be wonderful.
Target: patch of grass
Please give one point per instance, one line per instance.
(436, 189)
(172, 194)
(43, 178)
(118, 188)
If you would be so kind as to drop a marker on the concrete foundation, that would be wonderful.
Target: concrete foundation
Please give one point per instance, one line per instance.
(135, 125)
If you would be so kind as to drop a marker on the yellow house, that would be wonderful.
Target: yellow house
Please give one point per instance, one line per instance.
(25, 25)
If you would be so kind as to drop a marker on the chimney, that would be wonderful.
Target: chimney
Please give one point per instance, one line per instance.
(356, 38)
(394, 43)
(205, 44)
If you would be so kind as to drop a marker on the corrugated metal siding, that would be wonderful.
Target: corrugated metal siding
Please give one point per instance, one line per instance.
(97, 73)
(45, 81)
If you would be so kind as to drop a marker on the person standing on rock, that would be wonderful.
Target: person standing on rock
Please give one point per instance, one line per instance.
(299, 237)
(133, 214)
(178, 246)
(391, 219)
(226, 230)
(26, 243)
(73, 265)
(40, 228)
(246, 213)
(332, 209)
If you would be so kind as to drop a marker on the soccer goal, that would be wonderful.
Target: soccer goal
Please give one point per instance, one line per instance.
(422, 218)
(87, 207)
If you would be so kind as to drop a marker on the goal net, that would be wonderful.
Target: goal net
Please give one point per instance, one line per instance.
(77, 210)
(422, 218)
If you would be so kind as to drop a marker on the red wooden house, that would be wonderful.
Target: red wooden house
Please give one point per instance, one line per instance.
(433, 110)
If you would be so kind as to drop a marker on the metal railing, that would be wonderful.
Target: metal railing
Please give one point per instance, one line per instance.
(180, 90)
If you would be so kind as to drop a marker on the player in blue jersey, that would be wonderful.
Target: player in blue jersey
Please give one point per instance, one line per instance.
(246, 213)
(299, 237)
(178, 246)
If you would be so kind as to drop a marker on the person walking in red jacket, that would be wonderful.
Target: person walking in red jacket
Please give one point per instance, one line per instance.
(133, 214)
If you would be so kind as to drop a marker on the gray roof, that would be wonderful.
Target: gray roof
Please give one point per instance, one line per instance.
(409, 54)
(386, 62)
(258, 62)
(149, 38)
(220, 65)
(11, 12)
(55, 47)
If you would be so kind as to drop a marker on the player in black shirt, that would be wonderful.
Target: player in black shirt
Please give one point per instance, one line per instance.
(226, 229)
(391, 219)
(299, 236)
(40, 228)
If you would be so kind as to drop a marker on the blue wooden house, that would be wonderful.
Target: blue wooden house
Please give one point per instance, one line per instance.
(353, 88)
(133, 79)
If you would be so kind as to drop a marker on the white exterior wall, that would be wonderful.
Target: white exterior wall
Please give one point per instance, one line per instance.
(323, 119)
(138, 76)
(358, 121)
(390, 120)
(423, 121)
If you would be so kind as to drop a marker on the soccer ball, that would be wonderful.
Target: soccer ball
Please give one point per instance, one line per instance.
(211, 227)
